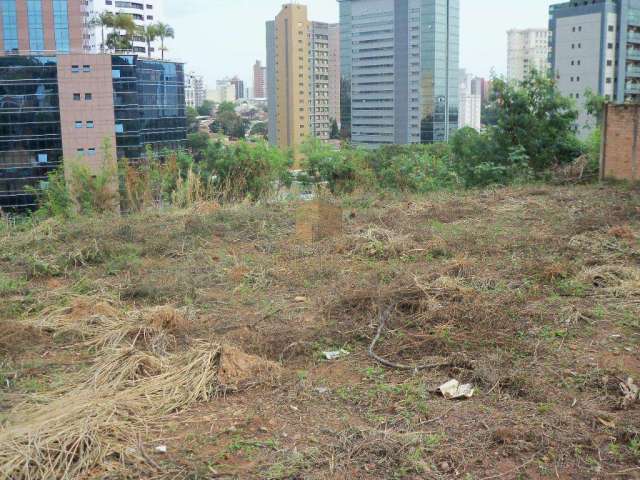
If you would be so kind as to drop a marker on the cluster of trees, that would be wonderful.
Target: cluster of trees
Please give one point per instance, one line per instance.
(118, 31)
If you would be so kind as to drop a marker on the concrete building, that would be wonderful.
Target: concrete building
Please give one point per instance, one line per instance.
(239, 87)
(481, 86)
(319, 80)
(144, 13)
(195, 92)
(225, 91)
(271, 82)
(399, 67)
(528, 51)
(66, 106)
(470, 103)
(259, 80)
(45, 26)
(334, 72)
(596, 46)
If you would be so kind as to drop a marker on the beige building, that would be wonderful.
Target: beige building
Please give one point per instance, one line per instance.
(334, 72)
(259, 80)
(528, 51)
(298, 65)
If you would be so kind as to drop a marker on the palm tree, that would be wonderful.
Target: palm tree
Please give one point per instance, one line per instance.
(103, 20)
(122, 23)
(150, 33)
(163, 31)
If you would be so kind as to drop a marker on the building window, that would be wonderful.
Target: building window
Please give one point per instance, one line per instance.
(88, 96)
(9, 24)
(119, 128)
(89, 123)
(609, 63)
(61, 25)
(91, 152)
(612, 28)
(75, 68)
(78, 124)
(86, 68)
(76, 97)
(43, 158)
(610, 46)
(36, 26)
(115, 73)
(80, 151)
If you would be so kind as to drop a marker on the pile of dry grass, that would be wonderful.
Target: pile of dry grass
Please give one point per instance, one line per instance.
(135, 380)
(613, 280)
(380, 243)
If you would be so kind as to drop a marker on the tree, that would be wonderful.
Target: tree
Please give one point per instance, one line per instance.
(149, 33)
(260, 128)
(192, 119)
(103, 20)
(334, 134)
(198, 143)
(163, 31)
(118, 41)
(595, 104)
(226, 107)
(206, 108)
(232, 124)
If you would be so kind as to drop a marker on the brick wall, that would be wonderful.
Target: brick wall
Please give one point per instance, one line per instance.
(621, 143)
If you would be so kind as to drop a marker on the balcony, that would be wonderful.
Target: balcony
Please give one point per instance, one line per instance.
(634, 20)
(633, 54)
(632, 88)
(633, 72)
(633, 37)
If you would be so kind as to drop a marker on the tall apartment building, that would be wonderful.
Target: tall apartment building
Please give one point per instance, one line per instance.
(225, 91)
(298, 77)
(399, 67)
(259, 80)
(481, 86)
(528, 51)
(334, 72)
(239, 87)
(596, 46)
(55, 107)
(45, 26)
(195, 92)
(470, 103)
(144, 13)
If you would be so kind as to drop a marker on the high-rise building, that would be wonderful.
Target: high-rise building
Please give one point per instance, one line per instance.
(399, 67)
(528, 51)
(271, 91)
(225, 91)
(55, 107)
(596, 46)
(319, 80)
(144, 13)
(194, 90)
(41, 27)
(259, 80)
(470, 103)
(481, 86)
(239, 87)
(334, 72)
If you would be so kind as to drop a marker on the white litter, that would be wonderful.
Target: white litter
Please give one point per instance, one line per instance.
(335, 354)
(453, 390)
(161, 449)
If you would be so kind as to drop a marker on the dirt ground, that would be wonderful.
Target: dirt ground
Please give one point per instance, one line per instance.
(532, 295)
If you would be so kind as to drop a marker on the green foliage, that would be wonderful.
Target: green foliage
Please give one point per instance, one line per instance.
(226, 107)
(53, 197)
(192, 119)
(248, 170)
(260, 129)
(595, 104)
(229, 122)
(334, 133)
(206, 108)
(197, 141)
(592, 149)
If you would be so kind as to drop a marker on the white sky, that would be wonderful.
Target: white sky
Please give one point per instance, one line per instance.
(219, 38)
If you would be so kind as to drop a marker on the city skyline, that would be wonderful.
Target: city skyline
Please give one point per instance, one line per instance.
(243, 46)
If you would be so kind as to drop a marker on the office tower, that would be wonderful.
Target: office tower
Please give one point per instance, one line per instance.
(399, 66)
(144, 13)
(66, 106)
(225, 91)
(194, 90)
(470, 103)
(528, 51)
(334, 72)
(270, 86)
(319, 80)
(259, 80)
(239, 87)
(46, 26)
(482, 87)
(596, 46)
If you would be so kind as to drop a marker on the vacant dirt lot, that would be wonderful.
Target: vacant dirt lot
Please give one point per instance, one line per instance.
(188, 344)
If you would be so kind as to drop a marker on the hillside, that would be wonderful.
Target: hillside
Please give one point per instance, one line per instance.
(201, 332)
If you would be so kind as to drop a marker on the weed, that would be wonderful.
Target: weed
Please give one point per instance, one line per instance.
(11, 286)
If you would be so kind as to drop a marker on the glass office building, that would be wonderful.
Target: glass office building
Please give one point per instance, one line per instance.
(400, 66)
(36, 92)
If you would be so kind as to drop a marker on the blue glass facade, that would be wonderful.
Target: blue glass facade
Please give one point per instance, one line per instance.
(30, 137)
(61, 25)
(36, 25)
(9, 25)
(149, 105)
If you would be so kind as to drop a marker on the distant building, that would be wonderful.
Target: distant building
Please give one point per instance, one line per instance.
(259, 80)
(65, 106)
(596, 46)
(470, 103)
(334, 72)
(239, 86)
(482, 87)
(298, 77)
(399, 67)
(195, 92)
(225, 91)
(528, 51)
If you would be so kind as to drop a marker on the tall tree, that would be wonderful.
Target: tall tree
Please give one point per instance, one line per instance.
(124, 29)
(149, 33)
(164, 31)
(103, 20)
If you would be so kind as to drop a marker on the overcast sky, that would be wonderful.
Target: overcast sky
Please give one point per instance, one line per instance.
(219, 38)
